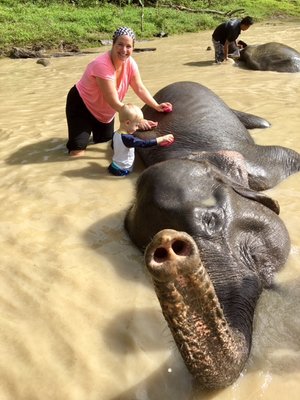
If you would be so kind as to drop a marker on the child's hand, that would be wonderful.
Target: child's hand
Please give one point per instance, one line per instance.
(146, 125)
(166, 140)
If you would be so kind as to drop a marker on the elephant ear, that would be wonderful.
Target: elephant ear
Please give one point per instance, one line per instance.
(241, 187)
(257, 196)
(249, 193)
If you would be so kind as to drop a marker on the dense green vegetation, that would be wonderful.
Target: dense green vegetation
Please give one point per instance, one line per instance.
(84, 22)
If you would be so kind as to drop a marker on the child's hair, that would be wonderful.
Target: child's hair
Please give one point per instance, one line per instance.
(130, 112)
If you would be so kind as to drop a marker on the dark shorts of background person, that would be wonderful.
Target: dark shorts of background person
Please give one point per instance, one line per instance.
(81, 124)
(219, 51)
(234, 51)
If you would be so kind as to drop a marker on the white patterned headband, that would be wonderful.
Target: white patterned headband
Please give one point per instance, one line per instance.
(123, 30)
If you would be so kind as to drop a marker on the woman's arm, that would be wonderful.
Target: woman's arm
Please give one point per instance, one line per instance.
(110, 93)
(143, 93)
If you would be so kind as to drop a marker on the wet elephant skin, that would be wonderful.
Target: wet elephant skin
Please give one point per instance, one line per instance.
(211, 249)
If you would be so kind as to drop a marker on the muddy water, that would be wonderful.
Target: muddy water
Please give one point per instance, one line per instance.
(78, 316)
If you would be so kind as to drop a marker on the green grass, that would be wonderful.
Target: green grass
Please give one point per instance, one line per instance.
(28, 23)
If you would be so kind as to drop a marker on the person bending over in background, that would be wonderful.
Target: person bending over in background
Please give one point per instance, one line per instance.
(225, 35)
(93, 102)
(124, 142)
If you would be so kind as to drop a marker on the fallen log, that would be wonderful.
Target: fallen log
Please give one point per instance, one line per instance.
(17, 52)
(203, 11)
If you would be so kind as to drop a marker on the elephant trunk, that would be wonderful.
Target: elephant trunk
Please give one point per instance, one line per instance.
(214, 353)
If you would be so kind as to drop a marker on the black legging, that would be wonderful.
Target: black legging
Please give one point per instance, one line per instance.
(81, 123)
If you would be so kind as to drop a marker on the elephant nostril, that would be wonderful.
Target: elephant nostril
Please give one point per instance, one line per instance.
(180, 248)
(160, 254)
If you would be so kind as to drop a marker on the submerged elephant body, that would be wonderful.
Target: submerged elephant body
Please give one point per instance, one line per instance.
(211, 242)
(205, 128)
(271, 56)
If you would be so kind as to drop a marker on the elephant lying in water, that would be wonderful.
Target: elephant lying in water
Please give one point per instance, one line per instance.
(205, 128)
(271, 56)
(212, 243)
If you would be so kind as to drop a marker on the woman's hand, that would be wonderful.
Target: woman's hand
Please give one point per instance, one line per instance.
(146, 125)
(164, 107)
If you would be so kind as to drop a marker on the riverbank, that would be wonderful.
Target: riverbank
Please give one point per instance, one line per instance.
(54, 26)
(79, 318)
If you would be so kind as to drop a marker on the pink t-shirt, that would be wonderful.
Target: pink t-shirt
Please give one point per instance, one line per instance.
(102, 67)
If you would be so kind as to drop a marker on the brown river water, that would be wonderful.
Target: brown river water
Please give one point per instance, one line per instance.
(79, 319)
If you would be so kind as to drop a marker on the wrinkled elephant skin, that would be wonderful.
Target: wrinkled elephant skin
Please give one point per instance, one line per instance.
(271, 56)
(205, 128)
(211, 248)
(212, 241)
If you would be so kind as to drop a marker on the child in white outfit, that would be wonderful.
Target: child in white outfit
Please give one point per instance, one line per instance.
(124, 142)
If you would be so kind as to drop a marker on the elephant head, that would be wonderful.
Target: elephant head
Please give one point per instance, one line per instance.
(211, 246)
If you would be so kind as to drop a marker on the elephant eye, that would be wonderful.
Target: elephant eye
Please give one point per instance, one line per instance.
(210, 220)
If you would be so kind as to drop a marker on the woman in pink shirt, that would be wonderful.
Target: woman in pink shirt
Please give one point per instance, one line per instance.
(93, 102)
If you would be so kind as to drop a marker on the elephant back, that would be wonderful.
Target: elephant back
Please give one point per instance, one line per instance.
(200, 121)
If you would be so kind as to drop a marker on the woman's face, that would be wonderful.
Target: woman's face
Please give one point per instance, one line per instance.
(122, 48)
